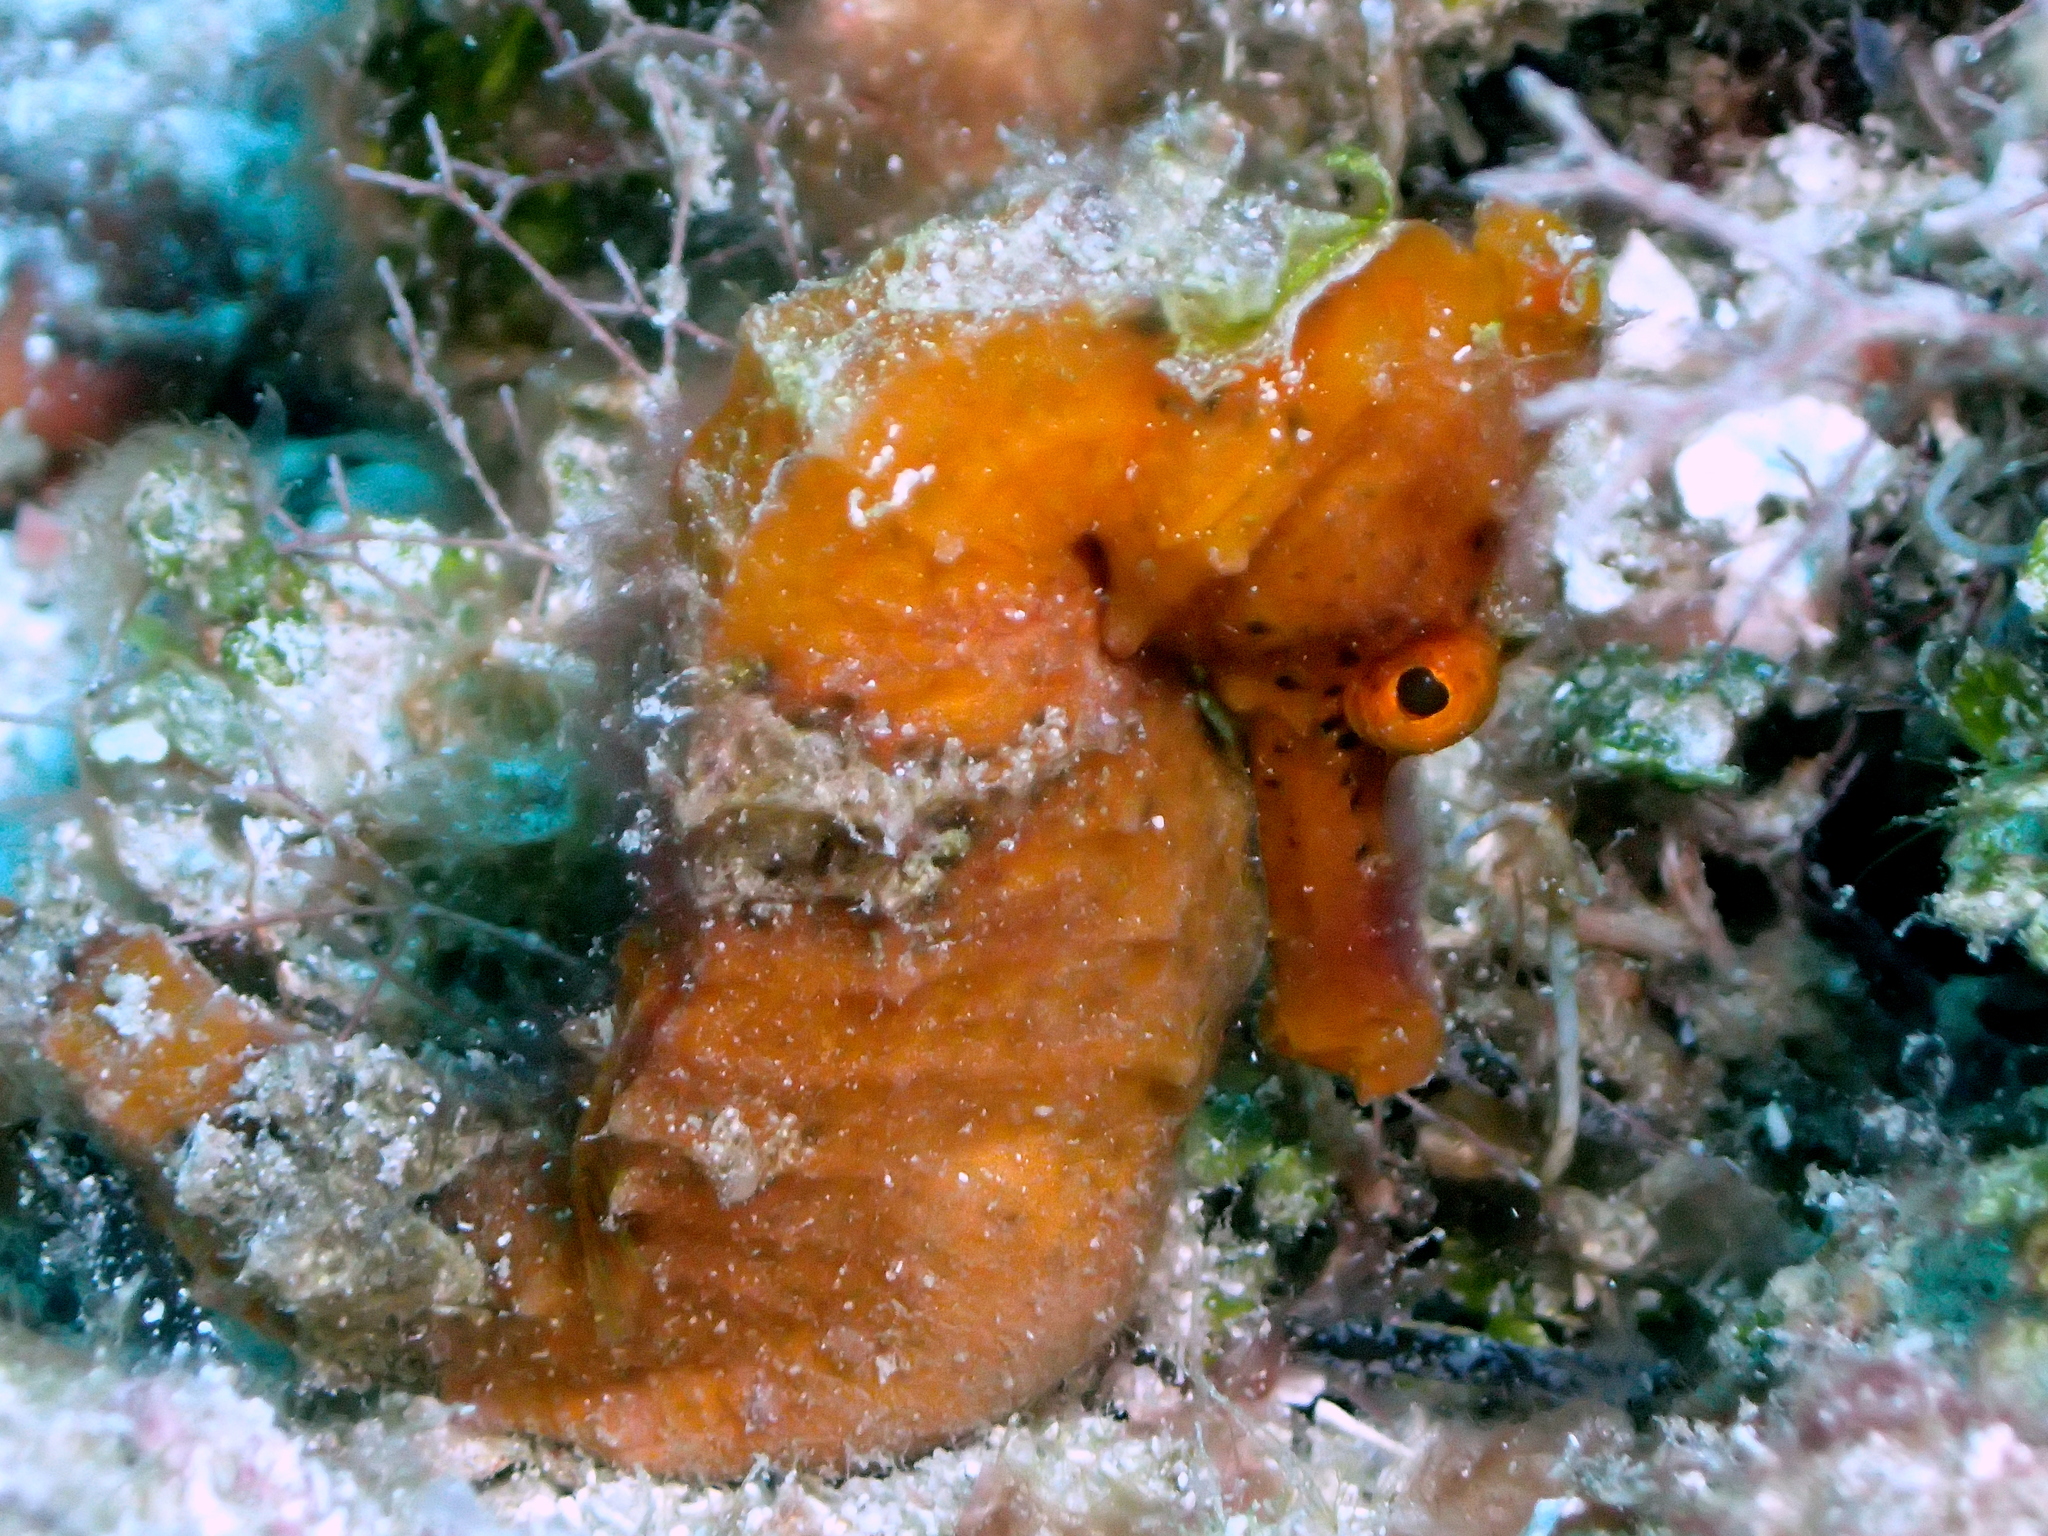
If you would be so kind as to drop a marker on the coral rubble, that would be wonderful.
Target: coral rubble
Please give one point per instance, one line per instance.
(340, 741)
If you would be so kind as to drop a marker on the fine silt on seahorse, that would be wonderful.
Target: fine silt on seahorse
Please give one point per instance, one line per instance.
(965, 885)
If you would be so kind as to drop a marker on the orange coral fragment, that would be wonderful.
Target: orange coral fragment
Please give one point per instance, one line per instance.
(151, 1040)
(69, 402)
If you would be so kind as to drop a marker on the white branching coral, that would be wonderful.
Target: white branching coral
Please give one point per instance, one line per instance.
(1752, 410)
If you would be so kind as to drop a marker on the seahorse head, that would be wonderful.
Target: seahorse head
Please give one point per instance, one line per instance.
(1139, 421)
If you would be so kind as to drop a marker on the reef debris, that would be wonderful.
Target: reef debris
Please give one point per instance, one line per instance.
(1739, 1121)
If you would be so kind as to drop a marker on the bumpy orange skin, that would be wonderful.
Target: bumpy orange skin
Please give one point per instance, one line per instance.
(1326, 518)
(986, 1106)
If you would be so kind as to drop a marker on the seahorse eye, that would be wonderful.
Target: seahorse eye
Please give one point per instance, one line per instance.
(1427, 694)
(1421, 693)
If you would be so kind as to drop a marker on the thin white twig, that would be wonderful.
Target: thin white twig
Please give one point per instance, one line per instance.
(303, 917)
(1329, 1416)
(2019, 13)
(1566, 881)
(628, 278)
(646, 34)
(405, 330)
(668, 307)
(314, 543)
(1494, 1153)
(778, 193)
(415, 906)
(1564, 1003)
(508, 402)
(1825, 505)
(337, 483)
(673, 317)
(352, 554)
(1934, 510)
(447, 188)
(1820, 338)
(1586, 167)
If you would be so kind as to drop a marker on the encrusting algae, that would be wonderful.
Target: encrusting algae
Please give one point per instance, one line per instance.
(961, 885)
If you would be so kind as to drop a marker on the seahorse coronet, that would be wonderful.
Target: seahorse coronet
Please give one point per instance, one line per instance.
(1160, 227)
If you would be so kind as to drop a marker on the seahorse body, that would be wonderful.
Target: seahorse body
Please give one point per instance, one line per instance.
(1004, 530)
(977, 1115)
(969, 889)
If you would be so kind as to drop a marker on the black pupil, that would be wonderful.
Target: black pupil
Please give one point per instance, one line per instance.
(1421, 693)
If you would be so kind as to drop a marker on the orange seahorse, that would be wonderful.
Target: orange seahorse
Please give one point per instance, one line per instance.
(968, 887)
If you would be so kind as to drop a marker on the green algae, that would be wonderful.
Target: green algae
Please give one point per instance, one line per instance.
(1623, 713)
(1997, 701)
(1236, 1139)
